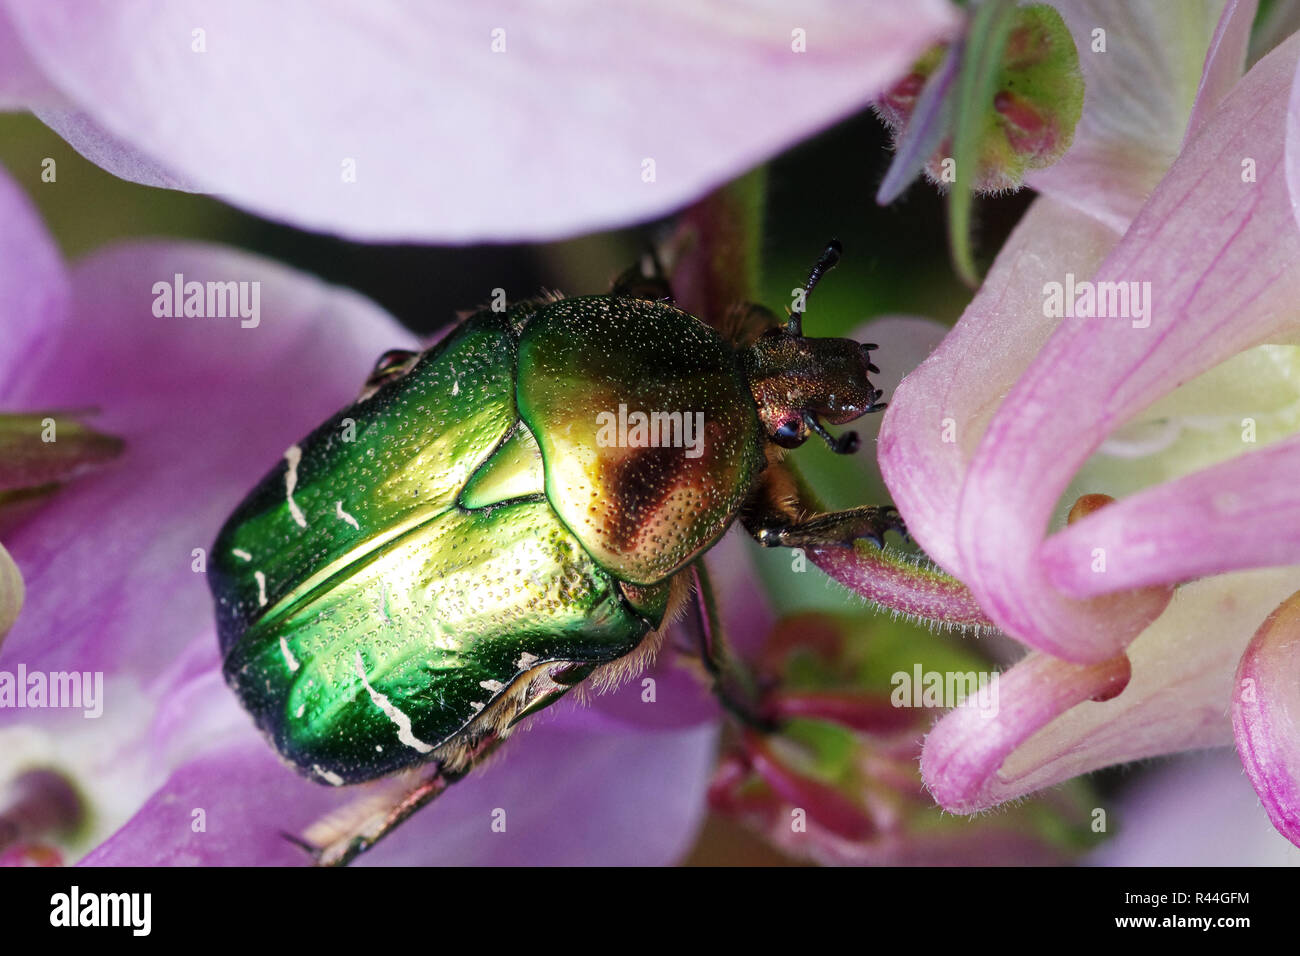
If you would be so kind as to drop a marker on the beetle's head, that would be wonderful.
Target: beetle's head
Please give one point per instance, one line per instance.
(800, 383)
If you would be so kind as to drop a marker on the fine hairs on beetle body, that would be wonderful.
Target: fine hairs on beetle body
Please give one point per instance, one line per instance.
(463, 545)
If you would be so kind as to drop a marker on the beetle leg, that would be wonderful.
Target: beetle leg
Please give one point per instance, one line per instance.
(339, 838)
(775, 516)
(732, 686)
(833, 528)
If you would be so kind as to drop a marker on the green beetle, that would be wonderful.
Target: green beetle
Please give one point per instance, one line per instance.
(513, 511)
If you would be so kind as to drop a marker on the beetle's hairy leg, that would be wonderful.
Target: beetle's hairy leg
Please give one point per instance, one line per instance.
(734, 687)
(782, 513)
(341, 836)
(869, 522)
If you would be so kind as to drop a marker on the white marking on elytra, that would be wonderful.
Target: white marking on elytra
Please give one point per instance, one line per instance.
(328, 776)
(344, 516)
(455, 383)
(261, 588)
(400, 719)
(495, 686)
(526, 661)
(476, 705)
(293, 456)
(241, 554)
(302, 709)
(290, 661)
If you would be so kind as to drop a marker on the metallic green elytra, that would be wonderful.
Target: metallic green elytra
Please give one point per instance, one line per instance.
(504, 514)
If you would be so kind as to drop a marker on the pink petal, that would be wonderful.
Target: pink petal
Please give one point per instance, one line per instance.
(1243, 513)
(1266, 716)
(1221, 257)
(937, 415)
(1225, 61)
(1176, 699)
(1137, 97)
(571, 796)
(963, 753)
(33, 284)
(451, 141)
(21, 83)
(1201, 794)
(205, 407)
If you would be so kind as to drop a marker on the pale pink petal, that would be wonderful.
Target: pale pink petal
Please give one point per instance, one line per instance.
(33, 282)
(1200, 794)
(1138, 94)
(1221, 254)
(1224, 61)
(451, 141)
(1266, 716)
(937, 415)
(21, 83)
(1293, 147)
(1243, 513)
(1177, 699)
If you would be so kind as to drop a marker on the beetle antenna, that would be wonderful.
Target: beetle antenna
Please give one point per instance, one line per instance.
(846, 444)
(824, 264)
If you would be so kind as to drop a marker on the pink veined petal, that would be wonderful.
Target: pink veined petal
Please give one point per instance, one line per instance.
(570, 795)
(205, 407)
(938, 413)
(1293, 147)
(1221, 255)
(1176, 699)
(1243, 513)
(33, 283)
(1137, 97)
(1224, 61)
(1266, 716)
(965, 749)
(450, 141)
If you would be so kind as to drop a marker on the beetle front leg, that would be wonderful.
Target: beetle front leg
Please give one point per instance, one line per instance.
(869, 522)
(774, 517)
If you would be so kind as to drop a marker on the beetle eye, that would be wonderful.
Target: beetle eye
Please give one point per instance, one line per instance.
(790, 434)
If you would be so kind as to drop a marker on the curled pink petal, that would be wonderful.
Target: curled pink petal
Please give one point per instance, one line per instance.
(1215, 255)
(1177, 699)
(1266, 716)
(401, 121)
(1243, 513)
(964, 751)
(1293, 147)
(937, 415)
(1224, 61)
